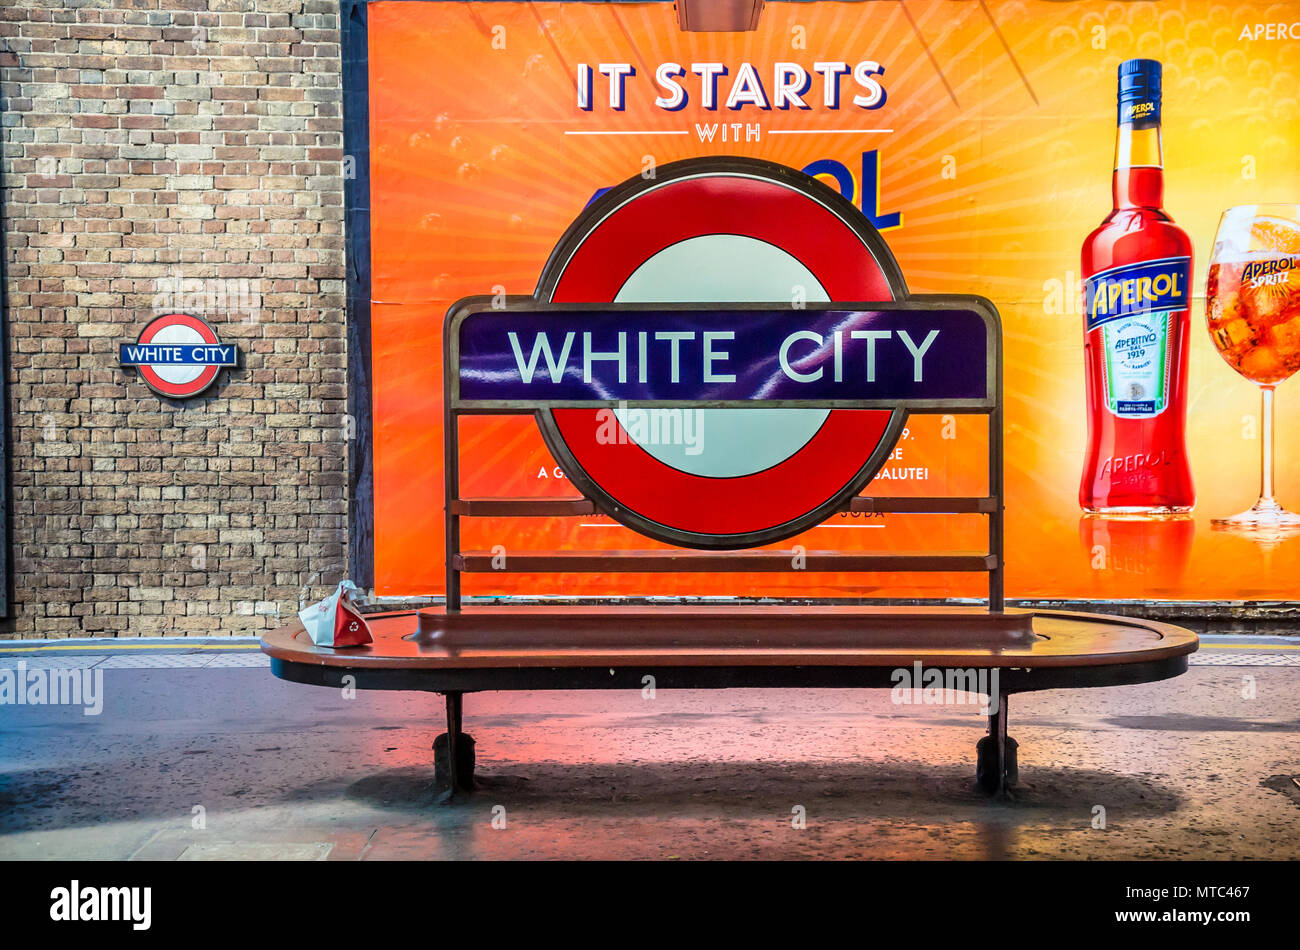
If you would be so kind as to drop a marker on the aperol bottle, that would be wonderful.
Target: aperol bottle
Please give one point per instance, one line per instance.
(1137, 269)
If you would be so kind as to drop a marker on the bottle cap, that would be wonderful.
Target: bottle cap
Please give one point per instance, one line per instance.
(1139, 92)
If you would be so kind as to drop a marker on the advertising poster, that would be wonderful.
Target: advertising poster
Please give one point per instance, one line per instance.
(980, 139)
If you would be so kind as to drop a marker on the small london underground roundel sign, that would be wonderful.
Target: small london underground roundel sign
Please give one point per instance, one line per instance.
(178, 355)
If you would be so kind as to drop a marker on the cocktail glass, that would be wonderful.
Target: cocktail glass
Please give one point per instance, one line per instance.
(1253, 312)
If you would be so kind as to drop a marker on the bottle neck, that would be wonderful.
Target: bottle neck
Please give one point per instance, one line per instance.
(1139, 168)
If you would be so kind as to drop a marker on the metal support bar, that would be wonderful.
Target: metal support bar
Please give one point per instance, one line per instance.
(580, 507)
(451, 518)
(455, 718)
(997, 601)
(998, 732)
(745, 562)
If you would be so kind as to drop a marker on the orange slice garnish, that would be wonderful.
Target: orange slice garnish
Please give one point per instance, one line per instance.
(1275, 234)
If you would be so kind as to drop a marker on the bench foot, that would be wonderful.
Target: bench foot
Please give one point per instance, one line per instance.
(996, 768)
(453, 755)
(986, 770)
(464, 770)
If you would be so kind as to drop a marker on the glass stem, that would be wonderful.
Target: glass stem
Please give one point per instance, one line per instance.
(1266, 448)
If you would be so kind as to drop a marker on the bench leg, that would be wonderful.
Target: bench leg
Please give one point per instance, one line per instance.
(453, 754)
(996, 768)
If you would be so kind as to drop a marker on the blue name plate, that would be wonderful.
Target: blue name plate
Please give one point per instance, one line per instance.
(177, 354)
(661, 354)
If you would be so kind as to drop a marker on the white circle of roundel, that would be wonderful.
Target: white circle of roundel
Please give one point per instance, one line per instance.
(723, 268)
(178, 333)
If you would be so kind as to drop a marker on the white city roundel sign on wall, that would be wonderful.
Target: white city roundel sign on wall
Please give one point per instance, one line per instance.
(178, 355)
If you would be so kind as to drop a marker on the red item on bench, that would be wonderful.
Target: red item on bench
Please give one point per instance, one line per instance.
(336, 621)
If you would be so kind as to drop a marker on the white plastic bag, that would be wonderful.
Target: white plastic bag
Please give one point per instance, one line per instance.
(336, 621)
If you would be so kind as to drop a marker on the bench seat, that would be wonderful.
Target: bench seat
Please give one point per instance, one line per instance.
(598, 637)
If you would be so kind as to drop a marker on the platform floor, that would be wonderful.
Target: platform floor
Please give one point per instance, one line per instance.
(1187, 768)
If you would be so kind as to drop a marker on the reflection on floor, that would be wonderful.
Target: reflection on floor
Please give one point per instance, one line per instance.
(201, 754)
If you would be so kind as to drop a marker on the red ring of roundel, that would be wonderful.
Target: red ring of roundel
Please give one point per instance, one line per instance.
(200, 382)
(723, 204)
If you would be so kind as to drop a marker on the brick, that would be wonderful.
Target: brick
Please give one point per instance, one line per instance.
(198, 140)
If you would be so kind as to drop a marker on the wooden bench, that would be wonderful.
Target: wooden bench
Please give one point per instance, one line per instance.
(691, 647)
(462, 648)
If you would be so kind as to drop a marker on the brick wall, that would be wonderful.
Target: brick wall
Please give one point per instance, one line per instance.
(156, 150)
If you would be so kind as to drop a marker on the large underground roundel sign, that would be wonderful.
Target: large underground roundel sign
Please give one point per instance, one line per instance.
(710, 231)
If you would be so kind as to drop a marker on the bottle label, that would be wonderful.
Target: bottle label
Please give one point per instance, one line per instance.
(1135, 365)
(1130, 317)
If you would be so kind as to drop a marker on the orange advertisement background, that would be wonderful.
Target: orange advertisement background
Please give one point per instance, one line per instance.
(999, 161)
